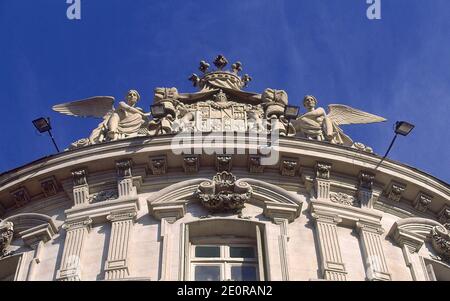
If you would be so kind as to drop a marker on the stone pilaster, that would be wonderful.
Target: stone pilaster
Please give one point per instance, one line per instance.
(80, 187)
(124, 178)
(332, 265)
(116, 266)
(365, 193)
(76, 233)
(322, 180)
(283, 245)
(373, 254)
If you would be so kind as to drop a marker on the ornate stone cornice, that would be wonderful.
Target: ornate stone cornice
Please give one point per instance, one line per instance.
(224, 193)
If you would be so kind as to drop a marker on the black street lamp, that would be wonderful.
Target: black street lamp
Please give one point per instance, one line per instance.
(43, 125)
(401, 128)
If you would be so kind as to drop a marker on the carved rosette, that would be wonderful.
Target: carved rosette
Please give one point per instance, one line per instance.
(441, 241)
(6, 236)
(224, 193)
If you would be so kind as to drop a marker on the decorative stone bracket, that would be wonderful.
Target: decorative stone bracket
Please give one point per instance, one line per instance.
(224, 193)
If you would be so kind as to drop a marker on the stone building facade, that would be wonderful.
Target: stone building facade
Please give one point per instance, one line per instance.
(135, 205)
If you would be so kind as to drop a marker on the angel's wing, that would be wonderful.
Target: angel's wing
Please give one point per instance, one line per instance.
(97, 106)
(342, 114)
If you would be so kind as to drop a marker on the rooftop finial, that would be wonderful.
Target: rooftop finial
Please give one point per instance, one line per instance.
(220, 62)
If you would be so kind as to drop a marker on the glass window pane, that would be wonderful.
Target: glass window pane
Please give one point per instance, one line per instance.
(242, 252)
(243, 273)
(207, 273)
(207, 251)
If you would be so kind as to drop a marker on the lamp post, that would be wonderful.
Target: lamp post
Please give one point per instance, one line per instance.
(401, 128)
(43, 125)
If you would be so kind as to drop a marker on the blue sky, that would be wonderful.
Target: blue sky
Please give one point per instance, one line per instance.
(397, 67)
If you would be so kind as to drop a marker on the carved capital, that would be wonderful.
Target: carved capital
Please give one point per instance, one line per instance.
(158, 165)
(395, 191)
(122, 215)
(79, 177)
(224, 193)
(326, 218)
(169, 212)
(124, 168)
(224, 163)
(254, 164)
(440, 238)
(49, 186)
(366, 180)
(191, 164)
(322, 170)
(369, 227)
(289, 167)
(74, 224)
(21, 196)
(280, 214)
(422, 202)
(6, 236)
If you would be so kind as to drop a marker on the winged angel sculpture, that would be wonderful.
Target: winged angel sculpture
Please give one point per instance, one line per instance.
(126, 120)
(316, 124)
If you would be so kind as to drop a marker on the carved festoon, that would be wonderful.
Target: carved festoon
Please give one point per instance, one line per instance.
(422, 202)
(344, 199)
(6, 236)
(289, 167)
(158, 165)
(224, 193)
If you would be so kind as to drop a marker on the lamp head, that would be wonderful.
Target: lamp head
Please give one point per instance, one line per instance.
(42, 124)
